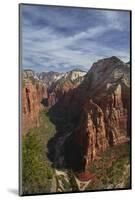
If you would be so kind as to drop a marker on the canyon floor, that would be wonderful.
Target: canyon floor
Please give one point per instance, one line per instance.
(44, 167)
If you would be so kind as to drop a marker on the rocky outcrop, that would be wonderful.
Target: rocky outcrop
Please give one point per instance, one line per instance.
(61, 90)
(90, 136)
(75, 74)
(46, 88)
(105, 112)
(49, 77)
(29, 74)
(32, 97)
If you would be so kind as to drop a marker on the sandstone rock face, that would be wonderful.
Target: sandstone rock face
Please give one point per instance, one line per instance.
(28, 73)
(58, 91)
(105, 112)
(97, 102)
(62, 88)
(32, 95)
(47, 88)
(74, 75)
(90, 135)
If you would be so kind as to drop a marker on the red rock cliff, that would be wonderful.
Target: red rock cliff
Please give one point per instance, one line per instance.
(105, 111)
(90, 134)
(32, 95)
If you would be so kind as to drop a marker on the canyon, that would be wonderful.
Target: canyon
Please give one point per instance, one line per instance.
(96, 102)
(44, 89)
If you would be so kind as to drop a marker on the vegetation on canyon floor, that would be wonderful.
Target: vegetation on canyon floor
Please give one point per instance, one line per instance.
(111, 170)
(37, 169)
(38, 153)
(79, 117)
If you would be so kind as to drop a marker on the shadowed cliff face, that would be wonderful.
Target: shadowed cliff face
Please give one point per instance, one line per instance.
(89, 137)
(104, 118)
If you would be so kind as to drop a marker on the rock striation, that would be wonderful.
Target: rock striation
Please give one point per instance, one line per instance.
(49, 77)
(32, 97)
(105, 112)
(46, 89)
(60, 90)
(29, 74)
(98, 103)
(89, 136)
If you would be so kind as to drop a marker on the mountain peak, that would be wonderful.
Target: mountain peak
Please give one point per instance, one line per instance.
(27, 70)
(112, 59)
(106, 63)
(108, 70)
(77, 70)
(29, 73)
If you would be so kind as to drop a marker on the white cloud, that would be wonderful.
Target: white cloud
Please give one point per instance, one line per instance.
(45, 46)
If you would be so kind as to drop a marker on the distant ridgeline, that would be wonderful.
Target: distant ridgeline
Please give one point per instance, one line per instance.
(45, 89)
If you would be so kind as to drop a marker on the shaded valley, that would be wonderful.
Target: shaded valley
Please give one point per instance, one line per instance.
(76, 128)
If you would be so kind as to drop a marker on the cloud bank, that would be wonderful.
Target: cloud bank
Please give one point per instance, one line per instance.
(60, 39)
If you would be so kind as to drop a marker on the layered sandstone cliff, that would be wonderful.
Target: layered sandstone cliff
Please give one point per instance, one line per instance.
(98, 104)
(61, 90)
(89, 136)
(44, 89)
(104, 118)
(32, 97)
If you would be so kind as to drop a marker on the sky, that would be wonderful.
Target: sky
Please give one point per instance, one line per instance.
(62, 39)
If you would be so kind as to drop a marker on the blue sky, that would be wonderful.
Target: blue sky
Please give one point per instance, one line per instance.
(61, 39)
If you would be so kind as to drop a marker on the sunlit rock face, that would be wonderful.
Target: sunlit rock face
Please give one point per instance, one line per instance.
(32, 97)
(97, 102)
(61, 89)
(44, 89)
(49, 77)
(105, 112)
